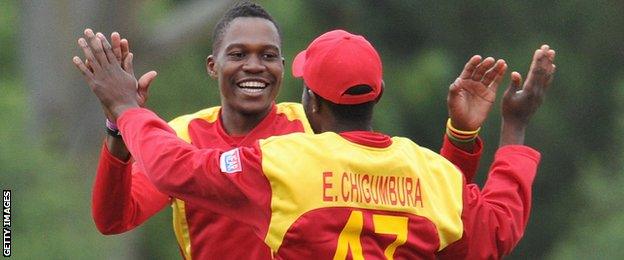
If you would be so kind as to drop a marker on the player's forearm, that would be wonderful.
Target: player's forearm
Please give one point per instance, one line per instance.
(496, 217)
(184, 171)
(122, 200)
(467, 162)
(117, 148)
(466, 147)
(175, 167)
(111, 193)
(512, 133)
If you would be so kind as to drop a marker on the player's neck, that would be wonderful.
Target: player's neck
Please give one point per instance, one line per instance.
(339, 127)
(236, 123)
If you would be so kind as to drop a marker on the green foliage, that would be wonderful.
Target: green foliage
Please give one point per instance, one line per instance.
(8, 21)
(596, 231)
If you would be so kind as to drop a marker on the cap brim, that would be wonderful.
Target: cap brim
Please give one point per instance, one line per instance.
(299, 64)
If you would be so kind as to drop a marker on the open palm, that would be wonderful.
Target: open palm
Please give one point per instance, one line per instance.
(473, 93)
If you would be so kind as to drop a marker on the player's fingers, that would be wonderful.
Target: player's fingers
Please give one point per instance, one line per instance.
(88, 65)
(515, 85)
(498, 79)
(551, 55)
(545, 47)
(144, 83)
(491, 74)
(116, 43)
(540, 70)
(146, 80)
(108, 49)
(82, 67)
(552, 75)
(470, 67)
(551, 70)
(124, 51)
(89, 54)
(128, 63)
(97, 48)
(125, 47)
(454, 88)
(484, 66)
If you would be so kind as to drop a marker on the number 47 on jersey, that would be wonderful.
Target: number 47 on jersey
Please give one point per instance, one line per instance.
(349, 239)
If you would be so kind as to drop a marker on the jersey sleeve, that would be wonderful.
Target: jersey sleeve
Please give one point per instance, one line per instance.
(230, 183)
(123, 197)
(467, 162)
(495, 217)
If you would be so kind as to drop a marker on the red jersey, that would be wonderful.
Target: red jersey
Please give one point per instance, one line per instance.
(358, 194)
(123, 198)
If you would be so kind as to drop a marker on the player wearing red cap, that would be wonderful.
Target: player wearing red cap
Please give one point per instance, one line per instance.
(123, 198)
(348, 190)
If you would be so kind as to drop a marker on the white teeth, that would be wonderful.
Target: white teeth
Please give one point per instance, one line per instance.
(252, 90)
(252, 84)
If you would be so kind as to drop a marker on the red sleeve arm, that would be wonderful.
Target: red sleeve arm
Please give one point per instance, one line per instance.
(495, 218)
(123, 197)
(184, 171)
(467, 162)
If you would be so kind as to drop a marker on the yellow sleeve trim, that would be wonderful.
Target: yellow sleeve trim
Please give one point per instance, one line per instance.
(181, 228)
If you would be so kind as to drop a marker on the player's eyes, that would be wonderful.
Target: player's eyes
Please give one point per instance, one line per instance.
(270, 56)
(236, 54)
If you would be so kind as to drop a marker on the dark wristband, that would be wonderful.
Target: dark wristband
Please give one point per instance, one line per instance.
(112, 129)
(113, 132)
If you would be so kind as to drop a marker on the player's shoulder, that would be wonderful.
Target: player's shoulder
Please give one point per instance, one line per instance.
(438, 169)
(413, 148)
(304, 143)
(294, 112)
(210, 114)
(291, 110)
(296, 137)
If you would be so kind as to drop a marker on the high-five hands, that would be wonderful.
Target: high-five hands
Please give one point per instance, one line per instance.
(471, 96)
(116, 88)
(121, 48)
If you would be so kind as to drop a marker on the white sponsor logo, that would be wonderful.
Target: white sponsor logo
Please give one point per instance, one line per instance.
(230, 161)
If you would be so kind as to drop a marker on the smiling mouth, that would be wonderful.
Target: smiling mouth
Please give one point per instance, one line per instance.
(252, 87)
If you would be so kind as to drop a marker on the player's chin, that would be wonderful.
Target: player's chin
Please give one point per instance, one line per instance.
(256, 105)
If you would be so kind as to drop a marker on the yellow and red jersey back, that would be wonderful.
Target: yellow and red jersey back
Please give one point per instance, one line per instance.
(357, 200)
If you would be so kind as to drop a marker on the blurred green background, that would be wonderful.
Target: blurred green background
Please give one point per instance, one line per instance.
(52, 125)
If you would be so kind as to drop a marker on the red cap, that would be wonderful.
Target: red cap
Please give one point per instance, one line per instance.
(337, 61)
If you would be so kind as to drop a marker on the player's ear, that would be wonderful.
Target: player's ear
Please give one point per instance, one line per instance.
(315, 102)
(210, 67)
(383, 86)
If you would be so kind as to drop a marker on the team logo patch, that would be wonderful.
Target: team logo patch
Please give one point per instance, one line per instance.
(230, 161)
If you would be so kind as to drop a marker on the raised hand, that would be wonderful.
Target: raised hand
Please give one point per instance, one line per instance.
(471, 96)
(115, 88)
(121, 49)
(521, 101)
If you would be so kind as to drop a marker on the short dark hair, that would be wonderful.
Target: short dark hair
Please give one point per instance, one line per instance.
(241, 9)
(352, 113)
